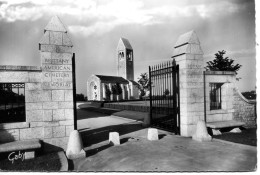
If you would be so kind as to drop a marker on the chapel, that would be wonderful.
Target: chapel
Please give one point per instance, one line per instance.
(101, 87)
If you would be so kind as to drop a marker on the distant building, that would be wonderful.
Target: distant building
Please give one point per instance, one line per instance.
(100, 87)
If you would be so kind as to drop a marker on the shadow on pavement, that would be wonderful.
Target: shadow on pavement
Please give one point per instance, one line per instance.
(161, 136)
(94, 136)
(94, 151)
(93, 112)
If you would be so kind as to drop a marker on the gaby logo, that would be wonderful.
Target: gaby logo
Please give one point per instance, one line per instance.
(12, 156)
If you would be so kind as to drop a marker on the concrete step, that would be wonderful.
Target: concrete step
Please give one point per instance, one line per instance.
(20, 145)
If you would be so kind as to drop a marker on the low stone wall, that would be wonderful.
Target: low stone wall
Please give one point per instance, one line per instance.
(31, 77)
(244, 110)
(227, 78)
(234, 105)
(44, 119)
(127, 107)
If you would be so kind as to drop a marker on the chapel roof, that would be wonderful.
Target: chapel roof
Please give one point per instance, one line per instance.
(112, 79)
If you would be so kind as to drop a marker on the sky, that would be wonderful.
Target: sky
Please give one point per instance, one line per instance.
(151, 26)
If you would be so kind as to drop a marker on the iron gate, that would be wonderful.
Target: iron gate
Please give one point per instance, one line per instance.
(164, 96)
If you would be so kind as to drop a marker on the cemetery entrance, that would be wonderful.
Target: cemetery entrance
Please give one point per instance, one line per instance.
(164, 96)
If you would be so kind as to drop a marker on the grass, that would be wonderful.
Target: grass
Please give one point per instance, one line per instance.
(246, 137)
(48, 162)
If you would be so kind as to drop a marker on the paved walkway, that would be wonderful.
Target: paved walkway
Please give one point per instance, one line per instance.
(170, 153)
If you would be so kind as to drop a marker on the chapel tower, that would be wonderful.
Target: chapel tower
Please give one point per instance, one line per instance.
(125, 59)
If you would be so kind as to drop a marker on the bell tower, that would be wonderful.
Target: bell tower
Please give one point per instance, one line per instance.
(125, 59)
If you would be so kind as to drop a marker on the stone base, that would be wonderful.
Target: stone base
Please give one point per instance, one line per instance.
(201, 133)
(235, 130)
(75, 146)
(216, 132)
(114, 138)
(152, 134)
(81, 154)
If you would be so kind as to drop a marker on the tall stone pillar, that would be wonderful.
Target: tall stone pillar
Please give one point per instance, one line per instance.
(189, 55)
(56, 58)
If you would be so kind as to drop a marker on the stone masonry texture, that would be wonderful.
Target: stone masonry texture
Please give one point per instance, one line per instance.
(48, 91)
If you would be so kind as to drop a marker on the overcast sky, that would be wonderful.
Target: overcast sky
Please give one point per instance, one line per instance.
(151, 26)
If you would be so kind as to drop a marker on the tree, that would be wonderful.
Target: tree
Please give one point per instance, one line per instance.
(250, 95)
(143, 84)
(80, 97)
(117, 90)
(222, 64)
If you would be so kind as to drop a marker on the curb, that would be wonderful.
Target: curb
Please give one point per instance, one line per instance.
(63, 161)
(128, 119)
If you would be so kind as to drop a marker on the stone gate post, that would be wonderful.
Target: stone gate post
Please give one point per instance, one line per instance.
(189, 55)
(56, 58)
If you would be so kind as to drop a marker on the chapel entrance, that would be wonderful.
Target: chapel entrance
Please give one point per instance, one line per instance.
(164, 96)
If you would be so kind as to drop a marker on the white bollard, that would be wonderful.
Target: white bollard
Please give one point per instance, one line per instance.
(216, 132)
(114, 138)
(235, 130)
(152, 134)
(201, 133)
(75, 146)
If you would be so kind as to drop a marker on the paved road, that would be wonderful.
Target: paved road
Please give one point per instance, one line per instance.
(95, 127)
(170, 153)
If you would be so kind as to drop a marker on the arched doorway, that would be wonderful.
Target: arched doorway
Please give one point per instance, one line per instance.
(93, 91)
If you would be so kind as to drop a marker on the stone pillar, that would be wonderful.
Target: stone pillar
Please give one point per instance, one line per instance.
(189, 56)
(104, 91)
(123, 91)
(110, 88)
(128, 91)
(56, 58)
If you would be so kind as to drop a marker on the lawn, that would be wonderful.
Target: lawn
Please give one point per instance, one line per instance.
(247, 137)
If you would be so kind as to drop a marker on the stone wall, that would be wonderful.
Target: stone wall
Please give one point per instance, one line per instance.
(31, 76)
(48, 92)
(244, 110)
(189, 56)
(228, 79)
(234, 105)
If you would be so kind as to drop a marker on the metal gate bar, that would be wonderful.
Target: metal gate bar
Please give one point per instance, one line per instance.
(164, 96)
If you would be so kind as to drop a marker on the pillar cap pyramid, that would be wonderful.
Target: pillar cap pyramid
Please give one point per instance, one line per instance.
(55, 24)
(187, 43)
(187, 38)
(55, 33)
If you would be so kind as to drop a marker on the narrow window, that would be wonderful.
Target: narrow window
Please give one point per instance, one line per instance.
(215, 96)
(12, 102)
(121, 55)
